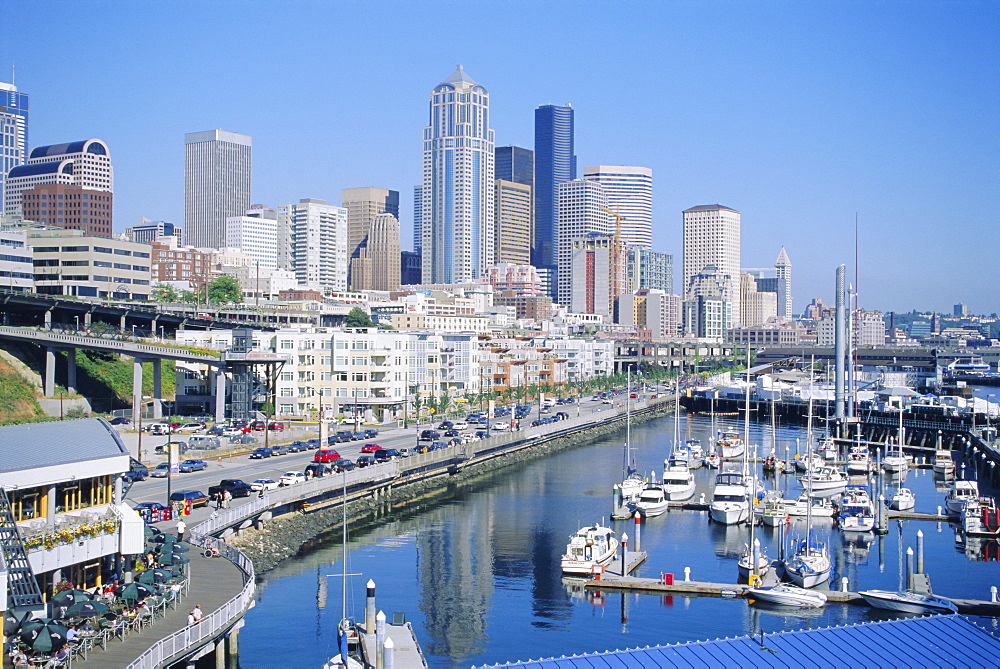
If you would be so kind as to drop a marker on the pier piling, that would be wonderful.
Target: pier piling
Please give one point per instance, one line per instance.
(909, 568)
(920, 551)
(687, 573)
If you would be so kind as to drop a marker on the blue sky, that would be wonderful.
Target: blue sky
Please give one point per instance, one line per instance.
(798, 114)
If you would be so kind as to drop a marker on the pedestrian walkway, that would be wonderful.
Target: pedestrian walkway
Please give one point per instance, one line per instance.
(214, 581)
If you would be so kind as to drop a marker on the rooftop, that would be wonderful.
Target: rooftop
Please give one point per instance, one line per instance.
(710, 207)
(34, 445)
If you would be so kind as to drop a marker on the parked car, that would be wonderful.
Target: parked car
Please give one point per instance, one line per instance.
(312, 444)
(234, 431)
(405, 452)
(191, 427)
(342, 465)
(193, 465)
(260, 453)
(316, 469)
(257, 425)
(161, 471)
(159, 428)
(482, 434)
(137, 472)
(366, 461)
(359, 435)
(151, 506)
(196, 497)
(430, 435)
(215, 431)
(244, 440)
(386, 454)
(264, 484)
(276, 426)
(501, 426)
(280, 449)
(291, 478)
(296, 447)
(438, 445)
(235, 487)
(371, 433)
(120, 420)
(204, 442)
(343, 436)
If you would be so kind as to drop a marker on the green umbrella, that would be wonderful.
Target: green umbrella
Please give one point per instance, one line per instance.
(151, 576)
(134, 591)
(71, 596)
(164, 537)
(176, 548)
(87, 609)
(47, 636)
(151, 531)
(173, 559)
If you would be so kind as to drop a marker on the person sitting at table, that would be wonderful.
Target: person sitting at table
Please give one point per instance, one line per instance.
(60, 658)
(20, 659)
(86, 628)
(71, 633)
(143, 609)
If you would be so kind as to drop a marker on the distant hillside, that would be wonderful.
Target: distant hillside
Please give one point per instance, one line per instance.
(18, 403)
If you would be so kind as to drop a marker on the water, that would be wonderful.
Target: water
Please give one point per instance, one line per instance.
(477, 572)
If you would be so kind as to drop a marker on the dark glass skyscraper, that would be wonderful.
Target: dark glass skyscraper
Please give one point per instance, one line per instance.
(555, 163)
(516, 164)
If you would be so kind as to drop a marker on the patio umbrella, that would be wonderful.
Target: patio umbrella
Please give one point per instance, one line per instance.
(134, 591)
(47, 636)
(177, 548)
(151, 531)
(87, 609)
(70, 597)
(151, 576)
(173, 559)
(163, 537)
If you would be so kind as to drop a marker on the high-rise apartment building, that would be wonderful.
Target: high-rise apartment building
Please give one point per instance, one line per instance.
(14, 109)
(555, 162)
(652, 309)
(649, 269)
(757, 307)
(217, 180)
(376, 265)
(630, 193)
(457, 219)
(312, 242)
(363, 205)
(598, 272)
(712, 237)
(581, 212)
(513, 222)
(256, 234)
(86, 164)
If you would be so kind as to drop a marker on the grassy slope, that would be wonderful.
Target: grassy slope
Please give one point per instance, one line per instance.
(17, 397)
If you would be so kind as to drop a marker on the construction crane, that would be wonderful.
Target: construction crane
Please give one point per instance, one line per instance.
(616, 257)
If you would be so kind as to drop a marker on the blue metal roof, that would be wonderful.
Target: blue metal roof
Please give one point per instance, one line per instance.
(94, 146)
(932, 641)
(57, 443)
(40, 168)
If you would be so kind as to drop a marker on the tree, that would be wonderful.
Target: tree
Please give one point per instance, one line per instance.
(187, 296)
(357, 318)
(164, 292)
(224, 290)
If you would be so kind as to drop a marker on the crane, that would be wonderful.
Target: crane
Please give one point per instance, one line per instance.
(616, 256)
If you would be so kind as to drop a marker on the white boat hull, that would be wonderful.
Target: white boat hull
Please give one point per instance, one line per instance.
(894, 463)
(732, 452)
(902, 501)
(808, 571)
(908, 602)
(676, 492)
(729, 513)
(788, 595)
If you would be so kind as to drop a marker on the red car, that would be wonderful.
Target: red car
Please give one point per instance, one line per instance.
(370, 448)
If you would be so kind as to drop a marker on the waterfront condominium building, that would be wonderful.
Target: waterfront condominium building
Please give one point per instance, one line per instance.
(13, 131)
(376, 266)
(555, 162)
(649, 269)
(256, 234)
(630, 193)
(217, 178)
(363, 205)
(312, 242)
(86, 164)
(712, 237)
(580, 213)
(513, 222)
(457, 194)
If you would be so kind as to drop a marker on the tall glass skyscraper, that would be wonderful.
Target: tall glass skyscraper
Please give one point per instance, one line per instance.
(217, 179)
(13, 131)
(456, 211)
(516, 164)
(555, 163)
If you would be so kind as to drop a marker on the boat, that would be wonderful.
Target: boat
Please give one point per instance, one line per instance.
(818, 507)
(731, 445)
(730, 500)
(856, 513)
(981, 518)
(804, 462)
(809, 565)
(773, 511)
(972, 364)
(903, 499)
(773, 464)
(713, 460)
(859, 459)
(628, 491)
(961, 492)
(896, 461)
(678, 481)
(825, 479)
(943, 463)
(652, 500)
(829, 450)
(590, 546)
(743, 565)
(787, 594)
(696, 453)
(908, 601)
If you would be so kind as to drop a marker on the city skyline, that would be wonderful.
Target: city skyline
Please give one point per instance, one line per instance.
(805, 119)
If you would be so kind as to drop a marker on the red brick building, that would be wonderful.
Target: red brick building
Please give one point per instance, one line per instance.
(69, 207)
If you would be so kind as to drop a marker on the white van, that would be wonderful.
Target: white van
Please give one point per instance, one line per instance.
(159, 428)
(203, 442)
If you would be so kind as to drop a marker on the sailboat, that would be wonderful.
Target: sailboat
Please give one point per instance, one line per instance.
(348, 636)
(896, 461)
(903, 499)
(731, 498)
(630, 489)
(678, 480)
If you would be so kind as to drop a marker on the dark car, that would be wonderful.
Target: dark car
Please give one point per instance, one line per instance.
(244, 440)
(196, 497)
(386, 454)
(215, 431)
(296, 447)
(342, 465)
(482, 434)
(430, 435)
(371, 433)
(151, 506)
(451, 433)
(260, 453)
(120, 420)
(501, 411)
(312, 444)
(137, 472)
(366, 461)
(437, 445)
(318, 469)
(446, 425)
(370, 448)
(359, 436)
(193, 465)
(343, 436)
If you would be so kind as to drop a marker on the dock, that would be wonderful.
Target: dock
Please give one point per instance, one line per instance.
(632, 560)
(406, 653)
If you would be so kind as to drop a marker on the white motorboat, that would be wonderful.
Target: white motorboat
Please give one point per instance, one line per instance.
(713, 460)
(678, 481)
(731, 445)
(787, 594)
(696, 453)
(743, 565)
(825, 479)
(856, 512)
(809, 565)
(961, 492)
(859, 460)
(588, 547)
(829, 450)
(895, 462)
(981, 518)
(731, 499)
(943, 463)
(908, 601)
(804, 462)
(903, 499)
(819, 507)
(652, 500)
(772, 509)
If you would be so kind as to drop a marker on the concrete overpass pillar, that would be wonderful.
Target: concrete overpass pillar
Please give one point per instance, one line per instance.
(233, 646)
(136, 389)
(220, 395)
(48, 319)
(121, 323)
(157, 388)
(220, 654)
(50, 371)
(86, 320)
(71, 370)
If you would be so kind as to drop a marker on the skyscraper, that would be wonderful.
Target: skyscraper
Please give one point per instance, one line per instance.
(783, 270)
(555, 163)
(217, 179)
(513, 224)
(13, 132)
(255, 233)
(580, 214)
(712, 237)
(363, 205)
(630, 193)
(312, 242)
(86, 164)
(516, 164)
(376, 266)
(456, 211)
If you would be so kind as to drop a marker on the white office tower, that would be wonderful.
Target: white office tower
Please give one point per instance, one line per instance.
(217, 167)
(783, 271)
(312, 242)
(255, 234)
(757, 307)
(456, 209)
(580, 211)
(712, 237)
(630, 193)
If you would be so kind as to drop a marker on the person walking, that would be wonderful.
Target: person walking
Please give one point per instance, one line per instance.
(198, 615)
(227, 497)
(181, 527)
